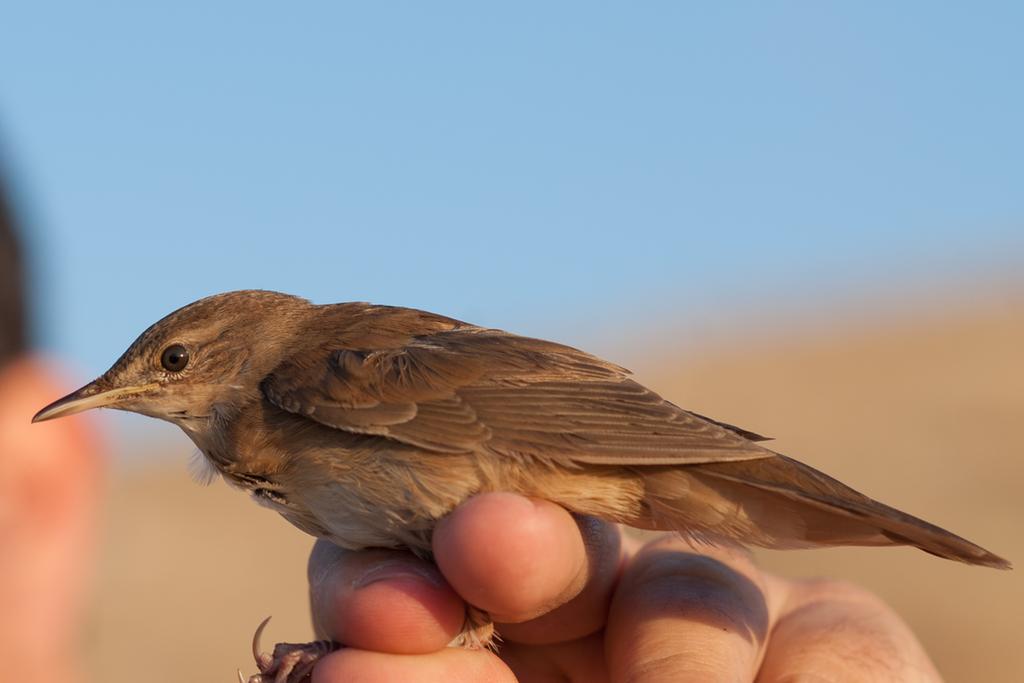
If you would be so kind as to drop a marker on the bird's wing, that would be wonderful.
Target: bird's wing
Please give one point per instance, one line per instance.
(465, 388)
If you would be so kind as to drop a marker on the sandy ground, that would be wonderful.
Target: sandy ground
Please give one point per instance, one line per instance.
(921, 411)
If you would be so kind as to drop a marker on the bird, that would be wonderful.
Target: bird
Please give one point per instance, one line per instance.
(365, 424)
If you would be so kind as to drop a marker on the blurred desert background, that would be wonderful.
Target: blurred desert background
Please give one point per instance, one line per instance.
(920, 407)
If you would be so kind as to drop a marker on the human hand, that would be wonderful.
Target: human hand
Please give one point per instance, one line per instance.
(577, 600)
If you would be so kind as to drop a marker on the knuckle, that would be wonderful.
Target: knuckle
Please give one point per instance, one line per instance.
(835, 590)
(698, 588)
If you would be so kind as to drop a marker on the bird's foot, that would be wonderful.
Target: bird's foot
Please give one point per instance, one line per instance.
(290, 663)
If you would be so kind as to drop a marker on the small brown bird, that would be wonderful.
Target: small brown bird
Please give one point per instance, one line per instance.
(366, 424)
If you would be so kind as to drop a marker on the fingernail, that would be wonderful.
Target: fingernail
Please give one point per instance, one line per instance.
(397, 570)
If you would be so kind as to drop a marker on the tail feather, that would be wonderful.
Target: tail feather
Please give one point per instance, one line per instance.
(778, 502)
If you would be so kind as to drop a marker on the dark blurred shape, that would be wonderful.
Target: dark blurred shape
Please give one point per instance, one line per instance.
(12, 285)
(50, 488)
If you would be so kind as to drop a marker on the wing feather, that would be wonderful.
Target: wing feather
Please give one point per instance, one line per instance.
(463, 389)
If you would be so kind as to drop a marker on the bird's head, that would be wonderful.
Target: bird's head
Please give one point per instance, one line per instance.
(211, 353)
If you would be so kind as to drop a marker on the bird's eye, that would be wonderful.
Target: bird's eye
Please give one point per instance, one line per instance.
(174, 358)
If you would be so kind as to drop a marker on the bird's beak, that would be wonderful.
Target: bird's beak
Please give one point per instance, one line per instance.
(92, 395)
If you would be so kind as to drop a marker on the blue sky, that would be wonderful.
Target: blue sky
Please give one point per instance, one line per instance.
(534, 166)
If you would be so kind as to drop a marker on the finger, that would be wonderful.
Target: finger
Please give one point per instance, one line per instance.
(451, 664)
(384, 600)
(828, 626)
(584, 613)
(683, 615)
(544, 574)
(575, 660)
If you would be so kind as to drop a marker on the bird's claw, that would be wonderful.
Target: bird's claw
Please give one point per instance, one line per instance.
(290, 663)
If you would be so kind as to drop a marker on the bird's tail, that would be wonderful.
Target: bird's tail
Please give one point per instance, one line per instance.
(777, 502)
